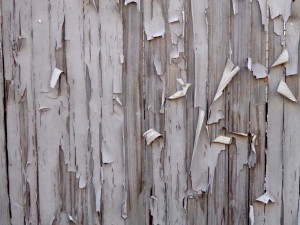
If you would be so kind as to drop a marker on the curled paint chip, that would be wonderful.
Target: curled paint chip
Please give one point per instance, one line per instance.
(249, 63)
(133, 1)
(124, 213)
(153, 197)
(284, 89)
(252, 156)
(240, 134)
(43, 109)
(71, 218)
(181, 93)
(235, 7)
(283, 58)
(227, 76)
(265, 198)
(198, 130)
(222, 140)
(118, 100)
(55, 76)
(151, 135)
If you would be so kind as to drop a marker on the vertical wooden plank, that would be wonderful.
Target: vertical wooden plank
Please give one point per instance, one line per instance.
(257, 112)
(43, 22)
(175, 117)
(274, 154)
(218, 44)
(14, 154)
(112, 117)
(4, 198)
(291, 166)
(196, 39)
(237, 101)
(154, 108)
(93, 98)
(134, 111)
(21, 121)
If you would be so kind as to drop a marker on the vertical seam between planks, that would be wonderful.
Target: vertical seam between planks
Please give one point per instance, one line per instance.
(4, 102)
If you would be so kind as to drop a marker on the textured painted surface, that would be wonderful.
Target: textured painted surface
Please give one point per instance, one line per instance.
(83, 80)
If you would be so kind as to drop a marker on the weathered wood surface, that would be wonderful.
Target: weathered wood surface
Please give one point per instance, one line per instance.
(75, 152)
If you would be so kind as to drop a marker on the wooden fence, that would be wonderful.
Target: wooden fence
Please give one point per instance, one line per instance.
(150, 112)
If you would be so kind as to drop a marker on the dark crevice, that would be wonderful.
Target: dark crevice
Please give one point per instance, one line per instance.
(4, 104)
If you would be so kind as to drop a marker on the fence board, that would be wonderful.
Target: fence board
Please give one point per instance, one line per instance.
(75, 152)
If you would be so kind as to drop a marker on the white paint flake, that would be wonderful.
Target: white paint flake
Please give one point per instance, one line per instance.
(235, 7)
(283, 58)
(284, 89)
(185, 86)
(55, 76)
(198, 130)
(133, 1)
(151, 135)
(222, 140)
(228, 74)
(71, 218)
(266, 198)
(249, 64)
(43, 109)
(252, 156)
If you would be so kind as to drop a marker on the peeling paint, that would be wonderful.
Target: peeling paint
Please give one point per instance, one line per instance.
(284, 89)
(151, 135)
(198, 130)
(134, 1)
(71, 218)
(280, 8)
(43, 109)
(241, 144)
(74, 152)
(235, 7)
(252, 156)
(227, 76)
(185, 86)
(259, 71)
(249, 64)
(154, 23)
(265, 198)
(263, 11)
(278, 26)
(215, 117)
(55, 76)
(222, 140)
(176, 24)
(204, 162)
(282, 58)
